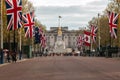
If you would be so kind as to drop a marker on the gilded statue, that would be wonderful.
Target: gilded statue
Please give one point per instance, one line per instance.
(59, 31)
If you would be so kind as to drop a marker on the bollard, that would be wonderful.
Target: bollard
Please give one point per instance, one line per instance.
(20, 55)
(1, 56)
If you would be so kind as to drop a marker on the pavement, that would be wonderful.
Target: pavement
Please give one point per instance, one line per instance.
(62, 68)
(6, 63)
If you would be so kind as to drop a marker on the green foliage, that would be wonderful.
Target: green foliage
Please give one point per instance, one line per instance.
(102, 23)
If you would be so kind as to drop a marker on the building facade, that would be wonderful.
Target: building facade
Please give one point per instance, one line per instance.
(68, 36)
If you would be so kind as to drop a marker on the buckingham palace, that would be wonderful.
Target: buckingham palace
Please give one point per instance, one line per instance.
(68, 37)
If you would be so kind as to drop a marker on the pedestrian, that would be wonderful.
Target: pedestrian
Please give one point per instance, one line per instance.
(20, 54)
(14, 56)
(1, 56)
(8, 56)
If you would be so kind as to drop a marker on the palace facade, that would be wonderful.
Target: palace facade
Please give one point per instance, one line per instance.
(68, 36)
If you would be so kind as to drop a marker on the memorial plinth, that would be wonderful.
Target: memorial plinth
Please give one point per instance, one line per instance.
(59, 44)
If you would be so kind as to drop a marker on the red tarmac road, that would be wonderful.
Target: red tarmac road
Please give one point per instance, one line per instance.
(62, 68)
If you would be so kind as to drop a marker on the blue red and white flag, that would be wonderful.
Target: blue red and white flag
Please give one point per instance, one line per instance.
(14, 14)
(28, 19)
(37, 35)
(113, 21)
(93, 32)
(42, 37)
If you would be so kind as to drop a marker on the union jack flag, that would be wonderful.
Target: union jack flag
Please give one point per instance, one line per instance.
(40, 30)
(80, 40)
(28, 19)
(113, 20)
(14, 14)
(93, 33)
(43, 41)
(42, 37)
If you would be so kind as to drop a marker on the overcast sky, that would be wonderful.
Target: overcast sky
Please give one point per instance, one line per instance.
(75, 13)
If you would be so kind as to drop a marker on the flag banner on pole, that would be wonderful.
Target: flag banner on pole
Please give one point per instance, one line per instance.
(37, 35)
(87, 38)
(80, 41)
(113, 21)
(28, 19)
(40, 30)
(42, 37)
(14, 14)
(93, 33)
(43, 40)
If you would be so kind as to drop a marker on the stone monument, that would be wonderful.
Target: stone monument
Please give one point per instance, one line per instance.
(59, 44)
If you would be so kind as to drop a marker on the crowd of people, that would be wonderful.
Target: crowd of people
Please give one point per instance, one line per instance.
(10, 56)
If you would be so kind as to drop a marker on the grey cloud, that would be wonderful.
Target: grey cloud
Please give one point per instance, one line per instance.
(62, 10)
(98, 3)
(72, 16)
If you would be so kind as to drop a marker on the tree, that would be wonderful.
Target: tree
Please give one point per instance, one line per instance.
(114, 6)
(104, 25)
(8, 35)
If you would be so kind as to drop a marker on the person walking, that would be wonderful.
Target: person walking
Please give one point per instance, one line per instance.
(13, 57)
(8, 56)
(1, 56)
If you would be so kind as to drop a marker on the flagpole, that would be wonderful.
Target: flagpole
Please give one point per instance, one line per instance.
(14, 41)
(1, 34)
(99, 31)
(20, 47)
(20, 39)
(9, 40)
(91, 43)
(1, 27)
(59, 21)
(91, 39)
